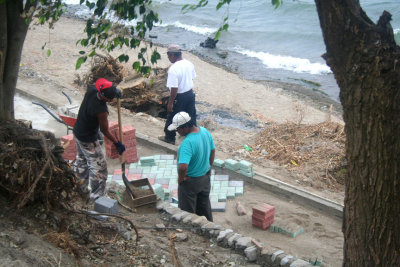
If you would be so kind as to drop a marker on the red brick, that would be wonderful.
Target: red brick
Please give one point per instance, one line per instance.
(131, 160)
(263, 211)
(69, 137)
(112, 125)
(128, 130)
(134, 177)
(263, 224)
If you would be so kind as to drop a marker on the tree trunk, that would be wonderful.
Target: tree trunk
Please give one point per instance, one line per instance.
(13, 31)
(366, 63)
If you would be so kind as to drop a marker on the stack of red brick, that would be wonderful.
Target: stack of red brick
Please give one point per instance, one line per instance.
(129, 140)
(263, 216)
(70, 149)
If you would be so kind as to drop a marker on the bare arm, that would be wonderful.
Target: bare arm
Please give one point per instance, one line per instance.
(172, 96)
(103, 122)
(182, 170)
(212, 157)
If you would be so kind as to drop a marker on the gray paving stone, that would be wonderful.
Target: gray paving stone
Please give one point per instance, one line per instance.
(223, 234)
(300, 263)
(224, 242)
(166, 157)
(218, 206)
(106, 205)
(162, 181)
(205, 228)
(236, 183)
(179, 216)
(188, 218)
(172, 210)
(149, 175)
(279, 259)
(221, 177)
(200, 221)
(215, 233)
(251, 253)
(135, 171)
(232, 240)
(265, 257)
(243, 243)
(275, 254)
(286, 261)
(161, 205)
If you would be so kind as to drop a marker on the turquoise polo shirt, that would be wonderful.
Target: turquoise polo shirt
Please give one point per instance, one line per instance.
(195, 151)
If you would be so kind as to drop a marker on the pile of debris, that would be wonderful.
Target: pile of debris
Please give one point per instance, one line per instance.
(306, 147)
(102, 67)
(31, 166)
(146, 94)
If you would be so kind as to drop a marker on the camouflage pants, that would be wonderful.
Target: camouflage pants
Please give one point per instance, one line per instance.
(91, 168)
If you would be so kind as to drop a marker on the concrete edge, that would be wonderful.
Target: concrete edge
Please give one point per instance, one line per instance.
(326, 206)
(323, 205)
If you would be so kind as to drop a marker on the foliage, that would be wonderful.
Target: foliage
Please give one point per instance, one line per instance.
(106, 30)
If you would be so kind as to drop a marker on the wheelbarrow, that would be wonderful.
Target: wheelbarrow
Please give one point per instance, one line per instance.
(66, 115)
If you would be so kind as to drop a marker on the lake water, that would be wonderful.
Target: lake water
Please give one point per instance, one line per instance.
(263, 43)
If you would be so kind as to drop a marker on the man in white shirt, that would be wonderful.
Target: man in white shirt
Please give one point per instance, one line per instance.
(180, 83)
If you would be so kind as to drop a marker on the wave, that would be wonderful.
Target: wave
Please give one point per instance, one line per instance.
(299, 65)
(196, 29)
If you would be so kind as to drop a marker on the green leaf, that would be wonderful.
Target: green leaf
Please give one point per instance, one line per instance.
(92, 53)
(276, 3)
(79, 62)
(48, 53)
(82, 52)
(136, 66)
(84, 42)
(108, 26)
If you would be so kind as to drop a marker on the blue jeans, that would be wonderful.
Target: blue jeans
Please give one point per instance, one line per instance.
(183, 102)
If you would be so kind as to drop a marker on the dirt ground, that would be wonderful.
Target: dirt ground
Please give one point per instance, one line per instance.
(218, 93)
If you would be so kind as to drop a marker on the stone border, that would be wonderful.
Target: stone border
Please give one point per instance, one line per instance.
(227, 238)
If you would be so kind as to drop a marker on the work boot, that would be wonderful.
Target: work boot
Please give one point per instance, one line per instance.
(162, 138)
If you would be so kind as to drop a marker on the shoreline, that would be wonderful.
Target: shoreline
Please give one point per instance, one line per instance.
(315, 98)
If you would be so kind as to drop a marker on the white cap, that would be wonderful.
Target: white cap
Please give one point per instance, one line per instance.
(174, 48)
(179, 119)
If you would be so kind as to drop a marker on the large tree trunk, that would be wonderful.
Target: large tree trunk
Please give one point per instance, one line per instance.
(366, 63)
(13, 31)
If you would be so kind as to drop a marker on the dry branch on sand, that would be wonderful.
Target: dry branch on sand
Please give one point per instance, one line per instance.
(139, 94)
(102, 67)
(318, 148)
(31, 166)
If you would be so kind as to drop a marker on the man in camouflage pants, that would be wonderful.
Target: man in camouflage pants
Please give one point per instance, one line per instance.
(91, 165)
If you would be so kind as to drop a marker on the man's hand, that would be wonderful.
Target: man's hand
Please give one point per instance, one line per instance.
(118, 93)
(120, 147)
(181, 180)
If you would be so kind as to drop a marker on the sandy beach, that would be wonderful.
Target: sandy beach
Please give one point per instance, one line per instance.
(216, 90)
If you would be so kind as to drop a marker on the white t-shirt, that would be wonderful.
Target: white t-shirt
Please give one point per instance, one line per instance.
(181, 75)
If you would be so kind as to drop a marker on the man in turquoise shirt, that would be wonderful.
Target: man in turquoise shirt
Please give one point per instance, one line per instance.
(195, 158)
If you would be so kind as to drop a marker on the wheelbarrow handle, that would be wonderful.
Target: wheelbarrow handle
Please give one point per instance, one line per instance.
(67, 96)
(51, 113)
